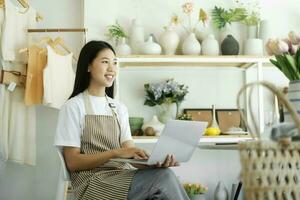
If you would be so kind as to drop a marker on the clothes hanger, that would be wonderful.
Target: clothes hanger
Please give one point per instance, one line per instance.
(60, 41)
(46, 39)
(24, 4)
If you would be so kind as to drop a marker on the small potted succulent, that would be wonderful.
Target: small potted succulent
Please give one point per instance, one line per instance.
(195, 191)
(184, 116)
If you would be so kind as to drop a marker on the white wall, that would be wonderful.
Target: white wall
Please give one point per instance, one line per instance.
(39, 182)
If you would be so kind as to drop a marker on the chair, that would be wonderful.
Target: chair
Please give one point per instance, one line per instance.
(63, 179)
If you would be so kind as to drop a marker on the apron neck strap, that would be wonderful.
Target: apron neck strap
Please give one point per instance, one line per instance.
(89, 108)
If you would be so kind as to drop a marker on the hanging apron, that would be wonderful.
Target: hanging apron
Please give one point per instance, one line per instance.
(110, 181)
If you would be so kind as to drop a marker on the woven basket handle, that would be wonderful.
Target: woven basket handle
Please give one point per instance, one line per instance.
(280, 97)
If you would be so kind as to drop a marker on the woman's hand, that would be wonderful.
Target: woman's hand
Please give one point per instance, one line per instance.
(132, 152)
(169, 162)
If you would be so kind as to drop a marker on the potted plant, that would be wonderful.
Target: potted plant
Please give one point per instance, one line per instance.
(184, 117)
(115, 33)
(287, 60)
(195, 191)
(164, 95)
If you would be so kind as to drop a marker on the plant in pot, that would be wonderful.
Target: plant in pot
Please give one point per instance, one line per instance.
(191, 45)
(116, 33)
(195, 191)
(165, 96)
(222, 19)
(287, 60)
(184, 116)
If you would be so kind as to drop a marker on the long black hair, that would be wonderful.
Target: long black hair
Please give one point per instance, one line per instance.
(87, 54)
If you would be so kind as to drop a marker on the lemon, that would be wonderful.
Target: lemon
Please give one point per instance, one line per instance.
(211, 131)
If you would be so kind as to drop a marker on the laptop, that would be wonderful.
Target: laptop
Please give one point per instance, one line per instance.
(178, 137)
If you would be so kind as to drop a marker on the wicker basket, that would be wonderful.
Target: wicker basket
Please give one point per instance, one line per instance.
(270, 170)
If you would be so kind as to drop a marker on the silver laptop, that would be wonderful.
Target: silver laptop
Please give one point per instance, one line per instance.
(179, 138)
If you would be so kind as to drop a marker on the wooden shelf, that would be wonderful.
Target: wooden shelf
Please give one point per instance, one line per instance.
(241, 61)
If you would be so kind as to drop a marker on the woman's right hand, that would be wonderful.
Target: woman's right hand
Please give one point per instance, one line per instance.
(132, 152)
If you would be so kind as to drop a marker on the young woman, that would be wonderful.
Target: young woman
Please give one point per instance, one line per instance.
(93, 128)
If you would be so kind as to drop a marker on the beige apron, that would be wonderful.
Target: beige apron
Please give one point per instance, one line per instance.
(112, 180)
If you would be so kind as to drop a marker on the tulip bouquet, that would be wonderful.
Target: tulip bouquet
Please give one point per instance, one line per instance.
(287, 55)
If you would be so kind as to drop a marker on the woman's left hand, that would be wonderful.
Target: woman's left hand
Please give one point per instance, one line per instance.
(169, 162)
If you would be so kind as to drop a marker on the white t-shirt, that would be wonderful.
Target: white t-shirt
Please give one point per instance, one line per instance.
(71, 119)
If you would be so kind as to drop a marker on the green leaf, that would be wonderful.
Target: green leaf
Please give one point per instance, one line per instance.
(297, 58)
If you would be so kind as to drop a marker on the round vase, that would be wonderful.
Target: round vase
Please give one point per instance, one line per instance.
(123, 48)
(150, 48)
(191, 46)
(210, 46)
(254, 47)
(155, 124)
(136, 36)
(169, 41)
(230, 46)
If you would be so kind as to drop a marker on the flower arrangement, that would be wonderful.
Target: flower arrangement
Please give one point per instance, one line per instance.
(165, 92)
(184, 117)
(194, 189)
(221, 16)
(287, 55)
(188, 10)
(115, 32)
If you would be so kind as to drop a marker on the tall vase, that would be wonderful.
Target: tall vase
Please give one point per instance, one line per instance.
(221, 192)
(136, 36)
(294, 97)
(265, 33)
(169, 41)
(166, 112)
(252, 32)
(191, 46)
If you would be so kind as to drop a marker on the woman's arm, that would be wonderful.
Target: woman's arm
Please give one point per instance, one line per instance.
(76, 161)
(169, 162)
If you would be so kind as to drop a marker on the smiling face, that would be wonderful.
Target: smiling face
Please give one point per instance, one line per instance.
(103, 69)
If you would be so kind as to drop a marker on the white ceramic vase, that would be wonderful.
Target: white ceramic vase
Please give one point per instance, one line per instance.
(155, 124)
(210, 46)
(252, 32)
(123, 48)
(202, 32)
(293, 96)
(224, 32)
(136, 36)
(169, 41)
(265, 33)
(166, 112)
(150, 47)
(191, 46)
(254, 47)
(221, 192)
